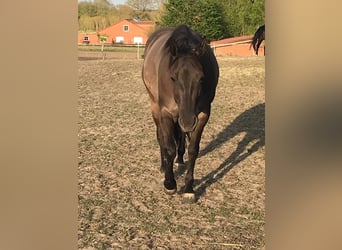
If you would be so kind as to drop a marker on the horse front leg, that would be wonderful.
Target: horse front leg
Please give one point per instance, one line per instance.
(180, 140)
(167, 144)
(193, 149)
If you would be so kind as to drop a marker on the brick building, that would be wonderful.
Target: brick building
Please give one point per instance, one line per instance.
(127, 31)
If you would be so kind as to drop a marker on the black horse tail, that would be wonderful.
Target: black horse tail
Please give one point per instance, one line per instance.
(258, 37)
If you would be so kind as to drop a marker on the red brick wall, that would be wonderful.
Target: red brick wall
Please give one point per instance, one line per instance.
(92, 38)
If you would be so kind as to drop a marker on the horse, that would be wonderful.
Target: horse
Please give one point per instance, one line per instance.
(258, 37)
(180, 73)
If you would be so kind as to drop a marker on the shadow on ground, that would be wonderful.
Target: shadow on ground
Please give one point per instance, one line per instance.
(252, 123)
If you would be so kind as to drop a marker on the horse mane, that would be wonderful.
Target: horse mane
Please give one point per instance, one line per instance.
(184, 41)
(156, 34)
(259, 35)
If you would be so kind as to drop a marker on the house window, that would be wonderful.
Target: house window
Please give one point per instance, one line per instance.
(137, 40)
(119, 39)
(86, 40)
(125, 28)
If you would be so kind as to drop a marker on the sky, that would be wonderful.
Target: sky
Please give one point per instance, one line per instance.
(117, 1)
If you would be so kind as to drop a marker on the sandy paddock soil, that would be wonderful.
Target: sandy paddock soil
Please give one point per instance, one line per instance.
(122, 204)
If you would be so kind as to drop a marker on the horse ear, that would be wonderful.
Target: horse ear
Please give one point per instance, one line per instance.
(202, 47)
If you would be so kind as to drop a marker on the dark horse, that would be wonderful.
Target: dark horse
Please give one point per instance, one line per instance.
(258, 37)
(180, 73)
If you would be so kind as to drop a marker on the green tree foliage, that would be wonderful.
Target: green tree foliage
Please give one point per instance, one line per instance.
(216, 19)
(98, 14)
(143, 9)
(243, 16)
(141, 5)
(93, 16)
(86, 9)
(204, 16)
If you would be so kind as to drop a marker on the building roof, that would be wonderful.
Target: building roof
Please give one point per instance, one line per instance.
(145, 25)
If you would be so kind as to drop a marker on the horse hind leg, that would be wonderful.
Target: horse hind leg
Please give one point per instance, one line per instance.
(159, 139)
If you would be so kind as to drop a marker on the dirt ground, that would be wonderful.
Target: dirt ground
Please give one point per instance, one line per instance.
(122, 204)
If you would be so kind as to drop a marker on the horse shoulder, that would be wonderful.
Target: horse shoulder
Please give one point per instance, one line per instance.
(170, 110)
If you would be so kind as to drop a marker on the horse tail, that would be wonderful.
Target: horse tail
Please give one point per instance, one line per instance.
(258, 37)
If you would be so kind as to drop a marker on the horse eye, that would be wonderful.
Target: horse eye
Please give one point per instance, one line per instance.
(173, 78)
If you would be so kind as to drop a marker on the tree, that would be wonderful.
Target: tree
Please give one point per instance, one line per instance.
(204, 16)
(140, 5)
(243, 16)
(102, 7)
(145, 5)
(211, 21)
(93, 16)
(102, 40)
(143, 8)
(87, 9)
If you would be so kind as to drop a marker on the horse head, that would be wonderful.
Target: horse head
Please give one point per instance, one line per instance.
(187, 77)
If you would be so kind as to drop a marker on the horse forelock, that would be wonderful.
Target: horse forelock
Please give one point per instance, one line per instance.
(184, 40)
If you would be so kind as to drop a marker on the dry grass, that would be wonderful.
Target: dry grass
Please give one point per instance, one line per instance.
(122, 204)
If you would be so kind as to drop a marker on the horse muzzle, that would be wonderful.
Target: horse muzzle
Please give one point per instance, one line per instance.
(188, 124)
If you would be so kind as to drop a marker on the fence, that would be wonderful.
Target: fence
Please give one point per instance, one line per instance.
(106, 51)
(239, 48)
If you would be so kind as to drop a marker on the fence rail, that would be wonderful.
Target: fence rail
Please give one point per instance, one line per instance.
(230, 44)
(108, 50)
(115, 45)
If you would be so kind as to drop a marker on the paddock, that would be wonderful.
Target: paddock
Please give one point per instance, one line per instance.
(121, 200)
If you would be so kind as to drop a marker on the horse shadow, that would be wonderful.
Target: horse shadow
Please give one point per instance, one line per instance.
(252, 123)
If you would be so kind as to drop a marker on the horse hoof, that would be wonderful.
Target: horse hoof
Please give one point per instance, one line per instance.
(189, 197)
(170, 187)
(170, 191)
